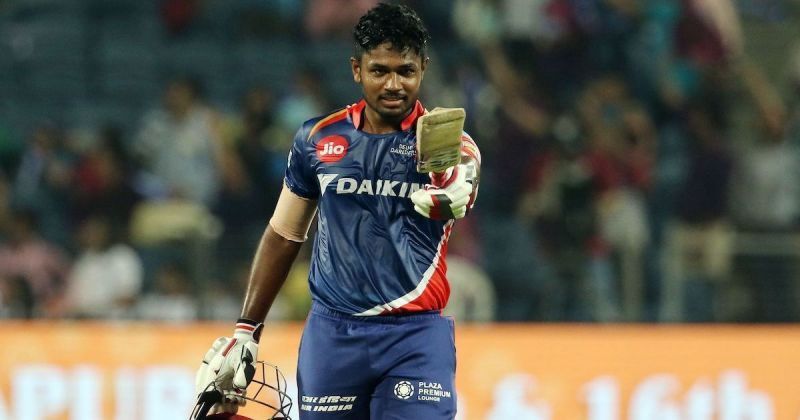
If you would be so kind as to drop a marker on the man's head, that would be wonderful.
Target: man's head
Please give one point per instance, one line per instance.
(390, 59)
(181, 94)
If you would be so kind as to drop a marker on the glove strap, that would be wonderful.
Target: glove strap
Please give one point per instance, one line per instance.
(248, 328)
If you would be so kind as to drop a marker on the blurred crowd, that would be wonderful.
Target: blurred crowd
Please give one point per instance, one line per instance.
(639, 164)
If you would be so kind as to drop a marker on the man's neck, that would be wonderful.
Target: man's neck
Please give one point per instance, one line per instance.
(374, 123)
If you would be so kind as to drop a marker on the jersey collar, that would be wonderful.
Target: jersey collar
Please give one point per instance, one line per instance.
(356, 112)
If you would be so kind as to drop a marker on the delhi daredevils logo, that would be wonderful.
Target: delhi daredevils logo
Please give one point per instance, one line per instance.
(332, 149)
(404, 390)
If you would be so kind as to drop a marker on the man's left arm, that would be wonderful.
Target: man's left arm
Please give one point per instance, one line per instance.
(451, 194)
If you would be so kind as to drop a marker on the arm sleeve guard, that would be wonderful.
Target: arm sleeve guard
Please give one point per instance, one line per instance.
(293, 216)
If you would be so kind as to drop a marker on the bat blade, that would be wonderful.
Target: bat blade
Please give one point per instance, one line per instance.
(439, 139)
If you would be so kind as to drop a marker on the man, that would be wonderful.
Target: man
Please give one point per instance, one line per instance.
(375, 345)
(179, 144)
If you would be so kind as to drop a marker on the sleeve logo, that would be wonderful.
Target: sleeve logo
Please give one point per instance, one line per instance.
(403, 390)
(332, 149)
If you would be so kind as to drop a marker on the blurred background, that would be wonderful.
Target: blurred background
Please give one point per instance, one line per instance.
(641, 158)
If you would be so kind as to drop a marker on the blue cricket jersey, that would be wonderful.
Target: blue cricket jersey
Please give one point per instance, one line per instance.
(373, 254)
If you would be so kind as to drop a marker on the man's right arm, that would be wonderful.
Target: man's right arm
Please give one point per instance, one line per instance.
(229, 364)
(271, 265)
(276, 252)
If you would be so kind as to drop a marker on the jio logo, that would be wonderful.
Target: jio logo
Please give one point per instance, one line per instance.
(332, 148)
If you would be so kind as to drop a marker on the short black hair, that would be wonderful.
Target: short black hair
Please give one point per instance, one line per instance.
(394, 23)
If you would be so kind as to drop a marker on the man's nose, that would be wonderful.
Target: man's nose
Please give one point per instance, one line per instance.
(393, 83)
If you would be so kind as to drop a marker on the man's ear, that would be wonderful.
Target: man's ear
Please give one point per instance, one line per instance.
(424, 66)
(355, 66)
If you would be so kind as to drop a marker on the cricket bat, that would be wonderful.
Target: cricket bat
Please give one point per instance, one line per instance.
(439, 139)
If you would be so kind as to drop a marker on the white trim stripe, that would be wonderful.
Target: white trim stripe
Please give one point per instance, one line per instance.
(423, 284)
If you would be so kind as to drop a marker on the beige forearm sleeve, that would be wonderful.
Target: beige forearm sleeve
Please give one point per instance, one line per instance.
(293, 216)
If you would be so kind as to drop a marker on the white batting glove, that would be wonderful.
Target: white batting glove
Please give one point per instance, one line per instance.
(447, 197)
(229, 365)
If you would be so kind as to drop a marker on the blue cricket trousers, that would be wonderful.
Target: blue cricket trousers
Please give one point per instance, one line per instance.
(376, 367)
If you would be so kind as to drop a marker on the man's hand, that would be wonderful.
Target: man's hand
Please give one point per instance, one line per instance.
(229, 365)
(447, 197)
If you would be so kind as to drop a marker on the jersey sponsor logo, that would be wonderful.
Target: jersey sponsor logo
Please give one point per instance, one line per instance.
(332, 149)
(383, 187)
(327, 403)
(407, 150)
(432, 391)
(403, 390)
(424, 391)
(324, 180)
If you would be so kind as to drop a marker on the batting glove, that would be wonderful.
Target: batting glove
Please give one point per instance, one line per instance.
(448, 196)
(229, 365)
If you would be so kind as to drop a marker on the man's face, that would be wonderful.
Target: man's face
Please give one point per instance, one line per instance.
(390, 79)
(179, 98)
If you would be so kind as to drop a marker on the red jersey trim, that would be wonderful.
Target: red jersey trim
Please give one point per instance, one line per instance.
(423, 298)
(356, 112)
(330, 119)
(437, 292)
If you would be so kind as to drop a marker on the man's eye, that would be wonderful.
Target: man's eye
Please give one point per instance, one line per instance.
(378, 72)
(407, 73)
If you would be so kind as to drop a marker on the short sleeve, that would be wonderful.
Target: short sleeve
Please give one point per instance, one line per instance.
(299, 170)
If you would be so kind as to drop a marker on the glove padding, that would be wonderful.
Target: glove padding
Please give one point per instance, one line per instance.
(447, 197)
(230, 366)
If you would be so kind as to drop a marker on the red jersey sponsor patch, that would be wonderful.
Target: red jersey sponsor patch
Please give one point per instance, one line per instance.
(332, 149)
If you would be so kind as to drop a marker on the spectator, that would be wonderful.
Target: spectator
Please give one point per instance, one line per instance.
(44, 166)
(472, 297)
(251, 177)
(178, 15)
(523, 122)
(43, 179)
(622, 154)
(16, 299)
(270, 19)
(698, 243)
(561, 205)
(766, 200)
(306, 97)
(104, 181)
(765, 194)
(107, 276)
(170, 300)
(334, 18)
(708, 32)
(179, 145)
(40, 264)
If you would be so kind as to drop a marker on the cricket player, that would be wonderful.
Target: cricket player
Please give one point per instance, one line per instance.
(387, 179)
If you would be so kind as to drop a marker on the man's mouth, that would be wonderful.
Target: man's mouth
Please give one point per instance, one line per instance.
(392, 100)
